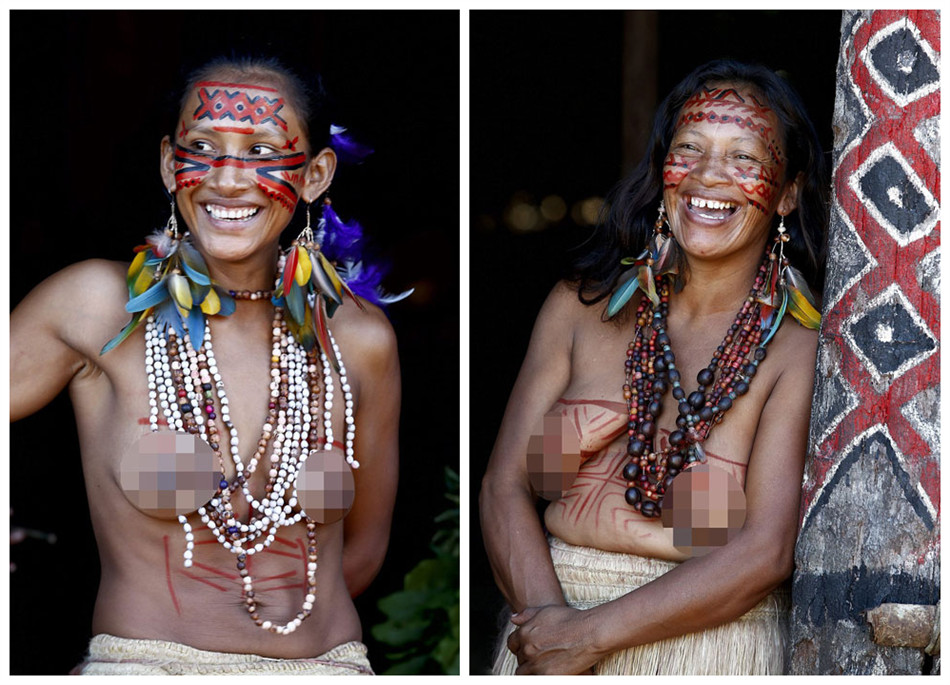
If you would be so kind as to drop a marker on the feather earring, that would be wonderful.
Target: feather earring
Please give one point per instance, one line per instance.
(785, 291)
(311, 289)
(168, 278)
(659, 258)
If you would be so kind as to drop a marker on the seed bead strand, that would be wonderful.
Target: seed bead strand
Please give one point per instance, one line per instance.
(650, 370)
(183, 383)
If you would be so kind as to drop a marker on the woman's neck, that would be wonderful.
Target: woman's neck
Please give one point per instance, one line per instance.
(257, 272)
(718, 287)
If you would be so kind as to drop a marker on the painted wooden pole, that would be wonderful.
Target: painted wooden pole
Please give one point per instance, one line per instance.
(871, 505)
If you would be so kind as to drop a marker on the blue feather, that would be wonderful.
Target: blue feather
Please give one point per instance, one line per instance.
(150, 298)
(778, 318)
(196, 326)
(167, 316)
(124, 333)
(622, 295)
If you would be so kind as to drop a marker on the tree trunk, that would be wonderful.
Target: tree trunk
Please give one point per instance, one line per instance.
(871, 504)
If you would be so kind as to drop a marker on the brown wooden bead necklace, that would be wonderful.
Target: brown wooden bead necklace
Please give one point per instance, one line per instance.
(650, 371)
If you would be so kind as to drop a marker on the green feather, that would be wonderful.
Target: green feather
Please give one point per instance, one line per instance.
(621, 296)
(125, 332)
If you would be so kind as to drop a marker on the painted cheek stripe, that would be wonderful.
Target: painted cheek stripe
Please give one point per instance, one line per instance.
(276, 176)
(675, 170)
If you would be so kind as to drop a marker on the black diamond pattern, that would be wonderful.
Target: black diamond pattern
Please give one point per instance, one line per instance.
(889, 337)
(887, 186)
(900, 60)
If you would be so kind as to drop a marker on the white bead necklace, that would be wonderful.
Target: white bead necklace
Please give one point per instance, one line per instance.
(183, 385)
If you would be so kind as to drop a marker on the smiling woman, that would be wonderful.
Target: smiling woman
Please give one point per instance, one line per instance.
(223, 471)
(695, 266)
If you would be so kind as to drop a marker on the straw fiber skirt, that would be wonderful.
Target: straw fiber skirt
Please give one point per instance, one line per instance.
(753, 644)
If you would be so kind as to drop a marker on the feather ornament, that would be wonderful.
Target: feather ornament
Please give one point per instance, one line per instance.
(323, 333)
(304, 267)
(169, 279)
(802, 303)
(347, 147)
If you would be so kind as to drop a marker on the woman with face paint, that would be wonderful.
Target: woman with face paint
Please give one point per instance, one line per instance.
(232, 429)
(664, 402)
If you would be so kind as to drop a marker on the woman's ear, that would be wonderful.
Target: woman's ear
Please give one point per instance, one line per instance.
(168, 165)
(789, 200)
(318, 174)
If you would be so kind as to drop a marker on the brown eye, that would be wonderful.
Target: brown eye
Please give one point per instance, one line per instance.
(261, 150)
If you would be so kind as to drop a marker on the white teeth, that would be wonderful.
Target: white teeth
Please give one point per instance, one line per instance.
(232, 213)
(711, 204)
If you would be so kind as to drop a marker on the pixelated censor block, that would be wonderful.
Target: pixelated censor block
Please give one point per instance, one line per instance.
(325, 486)
(554, 455)
(703, 509)
(168, 474)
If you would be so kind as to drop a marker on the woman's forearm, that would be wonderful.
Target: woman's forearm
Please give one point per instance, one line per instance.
(516, 545)
(698, 594)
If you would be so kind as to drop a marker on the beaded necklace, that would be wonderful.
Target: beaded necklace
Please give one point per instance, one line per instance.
(183, 383)
(650, 370)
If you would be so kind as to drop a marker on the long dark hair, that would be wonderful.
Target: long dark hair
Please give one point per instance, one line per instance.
(630, 211)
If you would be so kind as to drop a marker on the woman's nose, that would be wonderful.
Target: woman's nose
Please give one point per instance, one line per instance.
(230, 176)
(712, 169)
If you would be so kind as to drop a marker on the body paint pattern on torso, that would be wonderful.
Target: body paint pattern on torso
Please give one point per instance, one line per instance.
(277, 176)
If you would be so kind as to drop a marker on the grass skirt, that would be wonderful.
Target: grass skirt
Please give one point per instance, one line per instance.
(753, 644)
(110, 655)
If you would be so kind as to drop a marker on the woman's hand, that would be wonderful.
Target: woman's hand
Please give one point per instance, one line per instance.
(553, 640)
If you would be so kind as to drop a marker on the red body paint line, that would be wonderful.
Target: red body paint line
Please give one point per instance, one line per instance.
(237, 105)
(758, 181)
(246, 130)
(274, 174)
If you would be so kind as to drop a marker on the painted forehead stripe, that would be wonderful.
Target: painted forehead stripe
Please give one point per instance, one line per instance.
(751, 115)
(276, 176)
(236, 105)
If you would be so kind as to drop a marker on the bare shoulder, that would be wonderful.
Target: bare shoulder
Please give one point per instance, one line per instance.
(85, 279)
(795, 344)
(365, 336)
(564, 312)
(79, 302)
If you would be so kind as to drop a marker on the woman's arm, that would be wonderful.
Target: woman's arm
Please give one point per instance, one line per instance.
(706, 591)
(49, 329)
(370, 354)
(514, 539)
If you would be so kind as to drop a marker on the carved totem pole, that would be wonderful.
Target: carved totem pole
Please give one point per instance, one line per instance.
(867, 580)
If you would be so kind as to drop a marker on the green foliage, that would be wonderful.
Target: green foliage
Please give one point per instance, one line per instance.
(422, 619)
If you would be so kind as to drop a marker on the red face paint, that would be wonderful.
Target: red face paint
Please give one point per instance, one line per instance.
(757, 170)
(277, 176)
(232, 101)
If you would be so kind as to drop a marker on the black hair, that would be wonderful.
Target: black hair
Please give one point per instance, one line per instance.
(305, 94)
(630, 211)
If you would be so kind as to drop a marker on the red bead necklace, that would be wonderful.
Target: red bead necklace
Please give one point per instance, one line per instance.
(650, 371)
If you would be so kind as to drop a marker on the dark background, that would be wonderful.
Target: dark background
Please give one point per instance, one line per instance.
(546, 120)
(87, 90)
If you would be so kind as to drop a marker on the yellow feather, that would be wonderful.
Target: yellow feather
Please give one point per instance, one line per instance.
(801, 309)
(211, 304)
(331, 272)
(180, 292)
(143, 280)
(136, 265)
(304, 267)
